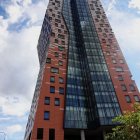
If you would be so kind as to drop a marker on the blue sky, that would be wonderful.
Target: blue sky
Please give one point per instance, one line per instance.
(20, 25)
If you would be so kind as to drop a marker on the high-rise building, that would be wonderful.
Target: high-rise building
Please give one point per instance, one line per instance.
(84, 81)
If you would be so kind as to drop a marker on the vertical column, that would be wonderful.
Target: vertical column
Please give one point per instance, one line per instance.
(82, 135)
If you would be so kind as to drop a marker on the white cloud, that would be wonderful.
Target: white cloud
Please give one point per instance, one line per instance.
(111, 6)
(134, 4)
(10, 130)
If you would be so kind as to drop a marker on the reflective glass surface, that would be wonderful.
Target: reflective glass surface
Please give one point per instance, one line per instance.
(90, 97)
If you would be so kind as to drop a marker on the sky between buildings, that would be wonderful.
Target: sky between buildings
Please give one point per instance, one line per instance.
(20, 25)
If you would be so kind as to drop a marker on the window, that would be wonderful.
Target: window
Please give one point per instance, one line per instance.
(57, 102)
(121, 61)
(127, 98)
(52, 79)
(123, 87)
(47, 101)
(119, 69)
(114, 61)
(52, 89)
(51, 134)
(136, 97)
(56, 54)
(61, 80)
(48, 60)
(120, 77)
(54, 70)
(132, 87)
(60, 63)
(61, 90)
(39, 133)
(63, 56)
(56, 40)
(46, 115)
(61, 48)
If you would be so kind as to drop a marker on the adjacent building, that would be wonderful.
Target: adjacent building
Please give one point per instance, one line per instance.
(84, 80)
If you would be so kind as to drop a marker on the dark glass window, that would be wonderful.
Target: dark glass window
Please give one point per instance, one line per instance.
(132, 87)
(127, 98)
(52, 79)
(61, 90)
(54, 70)
(120, 77)
(123, 87)
(57, 101)
(61, 48)
(39, 133)
(52, 89)
(56, 54)
(51, 134)
(136, 97)
(46, 115)
(47, 100)
(61, 80)
(48, 60)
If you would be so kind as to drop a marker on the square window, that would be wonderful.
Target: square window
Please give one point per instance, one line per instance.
(52, 89)
(119, 69)
(114, 61)
(61, 90)
(60, 63)
(127, 98)
(56, 54)
(54, 70)
(57, 102)
(46, 115)
(136, 97)
(123, 87)
(61, 48)
(52, 79)
(132, 87)
(61, 80)
(48, 60)
(63, 56)
(120, 77)
(121, 61)
(47, 101)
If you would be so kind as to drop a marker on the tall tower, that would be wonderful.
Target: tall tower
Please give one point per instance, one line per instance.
(84, 81)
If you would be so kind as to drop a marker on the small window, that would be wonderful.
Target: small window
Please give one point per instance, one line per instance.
(132, 87)
(47, 101)
(56, 40)
(52, 79)
(119, 69)
(61, 48)
(46, 115)
(57, 102)
(51, 134)
(121, 61)
(136, 97)
(61, 80)
(64, 56)
(48, 60)
(53, 34)
(56, 54)
(60, 63)
(123, 87)
(39, 133)
(120, 77)
(127, 98)
(61, 90)
(114, 61)
(52, 89)
(54, 70)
